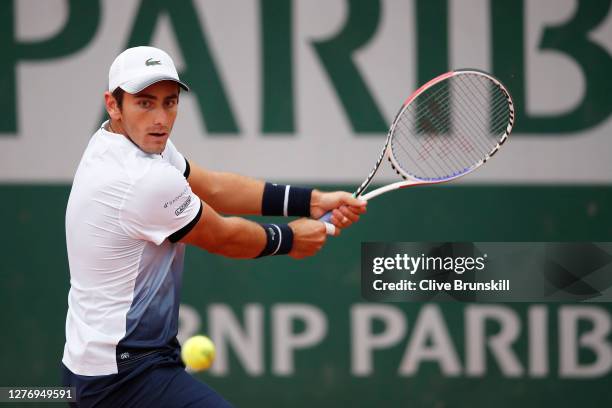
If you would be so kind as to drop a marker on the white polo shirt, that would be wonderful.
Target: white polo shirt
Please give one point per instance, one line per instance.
(126, 209)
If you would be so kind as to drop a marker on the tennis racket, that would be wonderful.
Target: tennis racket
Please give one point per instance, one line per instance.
(446, 129)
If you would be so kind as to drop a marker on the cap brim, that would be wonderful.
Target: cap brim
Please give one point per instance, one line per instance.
(138, 85)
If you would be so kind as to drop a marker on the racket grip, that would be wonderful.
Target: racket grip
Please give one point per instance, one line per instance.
(326, 217)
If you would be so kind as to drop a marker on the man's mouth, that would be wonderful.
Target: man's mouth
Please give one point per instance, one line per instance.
(158, 134)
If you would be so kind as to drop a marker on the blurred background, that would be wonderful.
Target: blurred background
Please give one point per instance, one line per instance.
(302, 92)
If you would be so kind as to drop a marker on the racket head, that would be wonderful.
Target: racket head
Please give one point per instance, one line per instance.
(449, 127)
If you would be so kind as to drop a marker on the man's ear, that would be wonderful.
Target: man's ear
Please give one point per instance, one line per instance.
(112, 107)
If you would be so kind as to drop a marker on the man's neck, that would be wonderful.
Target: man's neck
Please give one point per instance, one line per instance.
(115, 127)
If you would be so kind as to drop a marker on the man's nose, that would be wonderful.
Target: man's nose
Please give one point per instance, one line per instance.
(160, 117)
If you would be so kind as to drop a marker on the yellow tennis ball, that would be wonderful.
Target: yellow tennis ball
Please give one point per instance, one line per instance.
(198, 353)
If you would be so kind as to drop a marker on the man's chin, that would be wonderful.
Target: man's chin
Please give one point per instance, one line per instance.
(159, 150)
(156, 148)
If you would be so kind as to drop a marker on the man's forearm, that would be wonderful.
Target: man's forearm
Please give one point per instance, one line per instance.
(237, 237)
(227, 193)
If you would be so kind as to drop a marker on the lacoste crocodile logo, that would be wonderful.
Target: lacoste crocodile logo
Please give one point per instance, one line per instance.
(151, 61)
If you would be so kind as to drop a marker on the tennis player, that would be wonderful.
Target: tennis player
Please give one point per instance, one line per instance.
(135, 202)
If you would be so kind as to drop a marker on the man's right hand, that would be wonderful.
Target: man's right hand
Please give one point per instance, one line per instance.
(308, 237)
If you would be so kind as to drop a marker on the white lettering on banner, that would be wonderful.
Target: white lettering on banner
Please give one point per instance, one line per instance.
(432, 341)
(538, 341)
(595, 340)
(286, 341)
(247, 342)
(53, 135)
(365, 341)
(430, 325)
(500, 343)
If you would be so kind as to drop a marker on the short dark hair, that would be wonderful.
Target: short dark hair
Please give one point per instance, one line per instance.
(118, 95)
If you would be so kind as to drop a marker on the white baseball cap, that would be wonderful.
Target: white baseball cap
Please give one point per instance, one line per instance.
(138, 67)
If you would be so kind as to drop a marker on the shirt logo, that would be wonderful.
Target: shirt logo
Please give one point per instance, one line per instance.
(151, 61)
(167, 203)
(183, 206)
(124, 356)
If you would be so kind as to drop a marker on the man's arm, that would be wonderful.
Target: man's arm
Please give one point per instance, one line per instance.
(161, 205)
(234, 194)
(227, 193)
(240, 238)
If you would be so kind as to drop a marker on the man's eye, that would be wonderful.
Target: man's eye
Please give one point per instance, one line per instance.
(144, 104)
(170, 103)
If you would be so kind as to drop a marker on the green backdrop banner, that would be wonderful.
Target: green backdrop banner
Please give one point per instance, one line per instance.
(298, 333)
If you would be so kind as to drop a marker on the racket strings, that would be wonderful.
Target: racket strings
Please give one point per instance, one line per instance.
(460, 138)
(499, 110)
(502, 101)
(451, 127)
(428, 146)
(495, 101)
(450, 159)
(422, 152)
(483, 142)
(471, 101)
(396, 141)
(472, 125)
(477, 126)
(445, 149)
